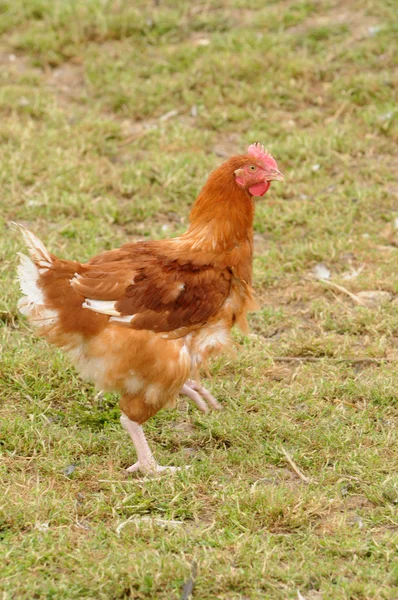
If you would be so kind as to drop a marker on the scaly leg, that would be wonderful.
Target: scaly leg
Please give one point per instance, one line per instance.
(200, 396)
(146, 461)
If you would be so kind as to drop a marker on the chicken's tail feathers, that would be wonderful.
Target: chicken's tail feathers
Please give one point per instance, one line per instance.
(32, 303)
(37, 250)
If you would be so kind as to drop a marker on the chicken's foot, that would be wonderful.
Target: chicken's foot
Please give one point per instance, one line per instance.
(200, 396)
(146, 461)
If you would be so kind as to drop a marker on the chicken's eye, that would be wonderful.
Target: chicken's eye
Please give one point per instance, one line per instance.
(252, 168)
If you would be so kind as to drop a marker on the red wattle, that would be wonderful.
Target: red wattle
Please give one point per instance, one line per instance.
(259, 189)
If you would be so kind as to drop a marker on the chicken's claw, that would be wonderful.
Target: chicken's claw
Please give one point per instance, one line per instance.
(202, 397)
(146, 462)
(150, 470)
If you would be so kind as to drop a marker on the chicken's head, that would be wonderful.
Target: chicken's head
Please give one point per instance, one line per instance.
(257, 171)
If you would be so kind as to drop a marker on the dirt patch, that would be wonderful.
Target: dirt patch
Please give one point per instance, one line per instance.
(15, 63)
(227, 145)
(345, 513)
(359, 24)
(132, 130)
(67, 82)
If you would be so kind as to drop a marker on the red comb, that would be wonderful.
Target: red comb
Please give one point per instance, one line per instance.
(257, 151)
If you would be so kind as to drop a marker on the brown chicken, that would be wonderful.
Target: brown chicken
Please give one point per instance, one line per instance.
(142, 319)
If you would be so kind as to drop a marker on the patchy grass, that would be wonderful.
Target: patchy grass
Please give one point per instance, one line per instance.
(111, 116)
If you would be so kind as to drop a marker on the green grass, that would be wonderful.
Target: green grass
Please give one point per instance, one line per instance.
(91, 157)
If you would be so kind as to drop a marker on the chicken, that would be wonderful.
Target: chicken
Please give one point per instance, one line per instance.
(143, 319)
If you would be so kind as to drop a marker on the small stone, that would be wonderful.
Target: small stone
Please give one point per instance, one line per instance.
(69, 470)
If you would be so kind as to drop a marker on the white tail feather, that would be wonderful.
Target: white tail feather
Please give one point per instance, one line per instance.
(37, 250)
(33, 304)
(28, 275)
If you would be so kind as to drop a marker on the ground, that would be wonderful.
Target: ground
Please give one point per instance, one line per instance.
(112, 115)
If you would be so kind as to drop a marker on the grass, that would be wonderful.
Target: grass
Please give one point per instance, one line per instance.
(112, 114)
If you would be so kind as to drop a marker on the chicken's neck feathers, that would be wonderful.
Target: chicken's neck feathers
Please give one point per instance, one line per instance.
(221, 223)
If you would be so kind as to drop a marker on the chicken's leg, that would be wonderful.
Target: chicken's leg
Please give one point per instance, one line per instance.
(200, 396)
(146, 461)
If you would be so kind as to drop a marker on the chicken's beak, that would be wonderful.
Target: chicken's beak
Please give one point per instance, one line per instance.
(274, 175)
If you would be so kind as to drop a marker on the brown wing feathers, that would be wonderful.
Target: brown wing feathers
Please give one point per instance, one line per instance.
(162, 293)
(173, 297)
